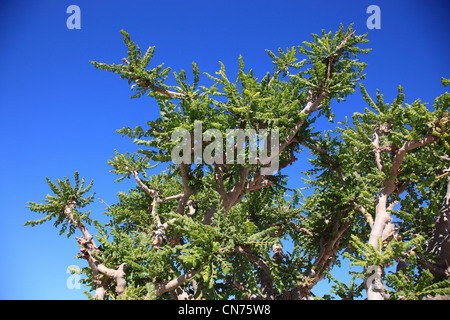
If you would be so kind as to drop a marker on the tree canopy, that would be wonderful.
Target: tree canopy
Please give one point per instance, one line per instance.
(214, 229)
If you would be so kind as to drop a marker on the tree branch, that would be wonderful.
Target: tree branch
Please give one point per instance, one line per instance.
(171, 94)
(382, 226)
(238, 188)
(173, 284)
(187, 190)
(273, 77)
(218, 178)
(159, 235)
(408, 146)
(118, 275)
(154, 213)
(87, 246)
(313, 101)
(376, 148)
(152, 193)
(439, 244)
(325, 259)
(165, 199)
(254, 259)
(382, 216)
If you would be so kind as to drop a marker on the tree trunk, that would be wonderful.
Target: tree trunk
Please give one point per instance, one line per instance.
(374, 286)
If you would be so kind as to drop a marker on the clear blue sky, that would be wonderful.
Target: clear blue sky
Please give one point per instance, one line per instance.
(59, 114)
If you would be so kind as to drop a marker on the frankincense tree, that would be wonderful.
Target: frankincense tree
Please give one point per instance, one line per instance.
(210, 225)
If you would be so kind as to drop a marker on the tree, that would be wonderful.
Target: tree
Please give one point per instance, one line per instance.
(210, 225)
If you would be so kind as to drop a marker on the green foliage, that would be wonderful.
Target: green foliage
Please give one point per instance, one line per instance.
(286, 60)
(365, 254)
(54, 205)
(247, 103)
(137, 67)
(397, 125)
(345, 292)
(345, 72)
(414, 282)
(160, 235)
(124, 163)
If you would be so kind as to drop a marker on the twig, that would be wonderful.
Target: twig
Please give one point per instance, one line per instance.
(408, 146)
(154, 213)
(273, 77)
(178, 196)
(165, 92)
(173, 284)
(147, 190)
(376, 148)
(443, 175)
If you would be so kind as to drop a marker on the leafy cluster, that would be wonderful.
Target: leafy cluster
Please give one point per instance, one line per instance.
(64, 194)
(248, 103)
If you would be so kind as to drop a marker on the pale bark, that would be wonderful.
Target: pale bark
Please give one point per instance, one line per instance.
(381, 226)
(118, 275)
(175, 283)
(87, 248)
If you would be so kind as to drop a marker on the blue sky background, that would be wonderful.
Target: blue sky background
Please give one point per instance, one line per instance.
(58, 114)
